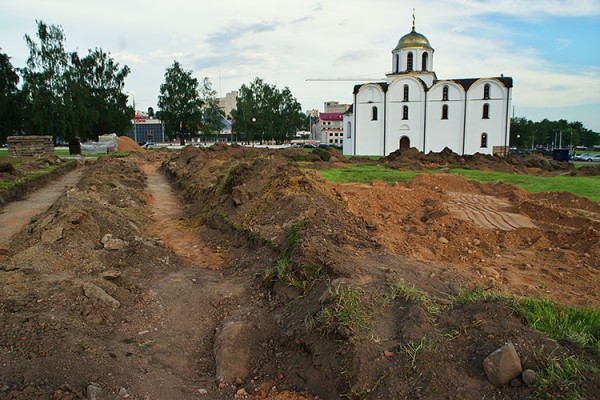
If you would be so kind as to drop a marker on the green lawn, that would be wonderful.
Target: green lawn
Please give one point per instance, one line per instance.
(586, 186)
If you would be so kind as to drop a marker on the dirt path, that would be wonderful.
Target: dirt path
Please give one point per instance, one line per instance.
(176, 328)
(15, 216)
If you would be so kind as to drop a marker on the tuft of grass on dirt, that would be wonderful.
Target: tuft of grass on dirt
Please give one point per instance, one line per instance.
(563, 377)
(302, 277)
(349, 310)
(411, 293)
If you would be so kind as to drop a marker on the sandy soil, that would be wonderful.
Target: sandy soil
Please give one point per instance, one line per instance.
(209, 273)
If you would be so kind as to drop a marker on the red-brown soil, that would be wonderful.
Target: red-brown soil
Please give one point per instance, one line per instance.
(255, 243)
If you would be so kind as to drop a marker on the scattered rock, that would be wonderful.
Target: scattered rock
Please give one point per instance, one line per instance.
(52, 235)
(503, 365)
(110, 274)
(95, 292)
(529, 377)
(443, 240)
(388, 353)
(93, 391)
(231, 358)
(113, 244)
(241, 392)
(123, 392)
(202, 391)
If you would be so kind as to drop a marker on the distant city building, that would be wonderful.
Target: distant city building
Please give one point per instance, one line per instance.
(228, 103)
(414, 108)
(313, 118)
(330, 128)
(336, 107)
(144, 129)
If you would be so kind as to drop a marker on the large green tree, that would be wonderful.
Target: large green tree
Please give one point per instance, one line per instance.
(68, 96)
(11, 120)
(263, 112)
(179, 103)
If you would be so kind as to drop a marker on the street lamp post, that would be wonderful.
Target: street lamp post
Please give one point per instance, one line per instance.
(134, 117)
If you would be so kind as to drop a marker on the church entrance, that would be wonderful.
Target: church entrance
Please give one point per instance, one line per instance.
(404, 142)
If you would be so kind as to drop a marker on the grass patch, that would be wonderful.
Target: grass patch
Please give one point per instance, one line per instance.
(367, 173)
(577, 325)
(586, 186)
(562, 378)
(411, 293)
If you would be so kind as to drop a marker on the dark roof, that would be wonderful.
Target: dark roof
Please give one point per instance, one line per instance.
(330, 116)
(350, 110)
(466, 83)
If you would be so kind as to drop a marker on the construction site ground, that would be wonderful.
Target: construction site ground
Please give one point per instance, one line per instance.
(233, 272)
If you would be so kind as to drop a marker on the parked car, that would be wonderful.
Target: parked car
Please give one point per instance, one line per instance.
(309, 146)
(591, 157)
(323, 145)
(579, 157)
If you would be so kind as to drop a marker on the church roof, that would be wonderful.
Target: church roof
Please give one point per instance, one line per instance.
(466, 83)
(413, 39)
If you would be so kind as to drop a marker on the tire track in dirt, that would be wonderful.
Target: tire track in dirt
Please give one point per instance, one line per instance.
(486, 211)
(16, 215)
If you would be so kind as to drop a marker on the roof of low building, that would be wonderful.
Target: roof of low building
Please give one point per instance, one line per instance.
(331, 116)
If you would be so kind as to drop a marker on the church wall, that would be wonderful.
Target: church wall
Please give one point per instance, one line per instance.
(494, 126)
(348, 143)
(368, 133)
(443, 133)
(397, 127)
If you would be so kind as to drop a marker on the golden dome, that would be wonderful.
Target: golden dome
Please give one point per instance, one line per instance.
(413, 39)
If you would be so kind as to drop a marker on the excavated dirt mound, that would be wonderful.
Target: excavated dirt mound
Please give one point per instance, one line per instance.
(533, 164)
(127, 144)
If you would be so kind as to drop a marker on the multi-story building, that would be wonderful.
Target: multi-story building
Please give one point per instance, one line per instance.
(330, 128)
(228, 103)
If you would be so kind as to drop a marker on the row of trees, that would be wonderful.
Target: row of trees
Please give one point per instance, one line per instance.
(63, 94)
(550, 134)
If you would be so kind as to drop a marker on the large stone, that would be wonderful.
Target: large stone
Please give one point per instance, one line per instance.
(93, 391)
(503, 365)
(111, 243)
(231, 354)
(52, 235)
(95, 292)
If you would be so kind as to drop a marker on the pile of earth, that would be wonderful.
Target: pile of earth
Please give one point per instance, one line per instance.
(314, 255)
(529, 164)
(127, 144)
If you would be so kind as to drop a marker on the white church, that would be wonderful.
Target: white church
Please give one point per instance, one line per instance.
(413, 108)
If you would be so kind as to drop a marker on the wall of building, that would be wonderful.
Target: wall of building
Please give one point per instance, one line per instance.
(29, 146)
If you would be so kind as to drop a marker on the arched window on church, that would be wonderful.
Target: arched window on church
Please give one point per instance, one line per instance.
(397, 67)
(374, 114)
(484, 140)
(405, 93)
(445, 93)
(405, 112)
(409, 62)
(445, 111)
(424, 61)
(486, 91)
(349, 135)
(486, 111)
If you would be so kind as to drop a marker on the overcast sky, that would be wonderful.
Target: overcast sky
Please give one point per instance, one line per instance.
(551, 48)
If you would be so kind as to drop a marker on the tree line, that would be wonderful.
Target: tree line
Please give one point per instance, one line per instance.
(62, 94)
(526, 134)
